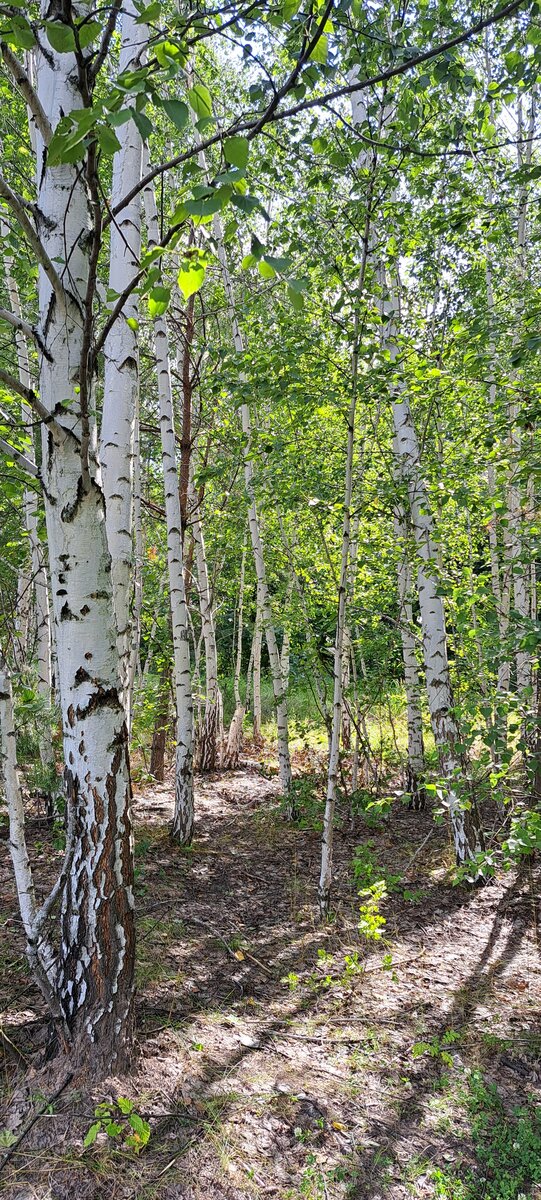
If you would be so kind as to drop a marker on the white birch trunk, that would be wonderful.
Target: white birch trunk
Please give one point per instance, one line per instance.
(211, 732)
(234, 737)
(519, 568)
(183, 817)
(95, 976)
(466, 834)
(121, 383)
(414, 781)
(325, 878)
(256, 666)
(38, 571)
(135, 649)
(280, 697)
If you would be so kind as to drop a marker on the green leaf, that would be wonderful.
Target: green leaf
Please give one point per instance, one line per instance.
(265, 269)
(112, 1128)
(200, 100)
(19, 34)
(248, 261)
(177, 111)
(190, 277)
(88, 32)
(67, 145)
(289, 8)
(119, 118)
(295, 299)
(204, 207)
(92, 1134)
(300, 284)
(142, 122)
(150, 13)
(132, 323)
(158, 300)
(168, 53)
(108, 141)
(61, 37)
(279, 264)
(236, 150)
(320, 51)
(125, 1105)
(247, 203)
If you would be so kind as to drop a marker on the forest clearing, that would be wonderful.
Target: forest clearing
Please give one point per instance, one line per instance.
(270, 699)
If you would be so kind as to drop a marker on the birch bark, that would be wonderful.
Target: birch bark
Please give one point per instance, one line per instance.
(95, 970)
(211, 733)
(121, 383)
(234, 737)
(280, 697)
(183, 816)
(325, 878)
(39, 578)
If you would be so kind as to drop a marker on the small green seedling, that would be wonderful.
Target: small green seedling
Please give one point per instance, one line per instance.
(118, 1119)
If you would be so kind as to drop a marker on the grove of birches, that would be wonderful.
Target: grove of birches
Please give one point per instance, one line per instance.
(270, 396)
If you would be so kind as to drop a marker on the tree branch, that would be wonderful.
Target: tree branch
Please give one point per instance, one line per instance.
(29, 331)
(27, 394)
(21, 459)
(251, 127)
(16, 204)
(106, 39)
(22, 82)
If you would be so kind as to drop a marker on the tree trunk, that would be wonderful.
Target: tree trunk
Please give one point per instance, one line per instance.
(211, 733)
(183, 817)
(467, 837)
(159, 736)
(416, 757)
(95, 969)
(234, 737)
(121, 384)
(256, 667)
(38, 570)
(325, 878)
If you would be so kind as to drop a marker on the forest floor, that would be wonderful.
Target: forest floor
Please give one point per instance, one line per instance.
(279, 1058)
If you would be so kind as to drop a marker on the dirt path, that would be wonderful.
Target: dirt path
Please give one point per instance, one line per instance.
(277, 1058)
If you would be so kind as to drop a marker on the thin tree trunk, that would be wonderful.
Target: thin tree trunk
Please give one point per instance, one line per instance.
(416, 760)
(234, 737)
(211, 734)
(135, 649)
(325, 878)
(183, 817)
(256, 658)
(38, 570)
(161, 725)
(280, 697)
(121, 383)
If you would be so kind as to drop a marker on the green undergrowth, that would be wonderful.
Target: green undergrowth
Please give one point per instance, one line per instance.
(504, 1148)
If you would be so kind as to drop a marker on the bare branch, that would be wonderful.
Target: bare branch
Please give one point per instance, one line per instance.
(106, 39)
(22, 82)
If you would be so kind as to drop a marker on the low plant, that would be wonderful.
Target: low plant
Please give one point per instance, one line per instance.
(121, 1123)
(371, 921)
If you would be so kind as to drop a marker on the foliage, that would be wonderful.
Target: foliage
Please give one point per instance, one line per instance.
(507, 1148)
(120, 1120)
(371, 921)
